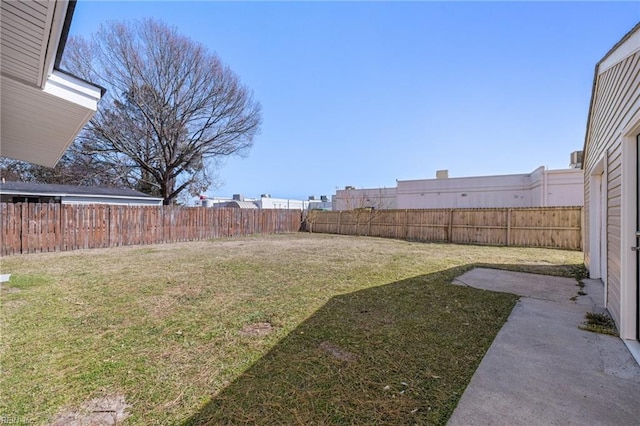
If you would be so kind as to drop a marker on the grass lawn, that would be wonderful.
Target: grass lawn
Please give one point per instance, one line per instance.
(286, 329)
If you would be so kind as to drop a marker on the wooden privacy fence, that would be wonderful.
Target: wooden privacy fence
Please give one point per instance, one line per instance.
(556, 227)
(29, 228)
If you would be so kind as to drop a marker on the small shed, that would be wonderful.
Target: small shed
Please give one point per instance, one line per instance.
(28, 192)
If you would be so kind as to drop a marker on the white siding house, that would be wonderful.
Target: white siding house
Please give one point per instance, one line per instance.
(611, 179)
(43, 108)
(27, 192)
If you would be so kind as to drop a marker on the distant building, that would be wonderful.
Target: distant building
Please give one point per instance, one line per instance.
(540, 188)
(27, 192)
(322, 204)
(237, 204)
(266, 201)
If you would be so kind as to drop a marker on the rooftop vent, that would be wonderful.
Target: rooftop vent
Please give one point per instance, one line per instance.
(442, 174)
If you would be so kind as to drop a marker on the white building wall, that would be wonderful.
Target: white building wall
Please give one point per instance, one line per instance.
(540, 188)
(466, 192)
(281, 203)
(564, 188)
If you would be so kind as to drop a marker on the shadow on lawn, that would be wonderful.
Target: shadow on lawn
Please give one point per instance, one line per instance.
(400, 353)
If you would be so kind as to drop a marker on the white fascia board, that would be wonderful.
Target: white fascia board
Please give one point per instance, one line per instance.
(55, 22)
(80, 200)
(626, 49)
(127, 197)
(29, 193)
(67, 195)
(73, 90)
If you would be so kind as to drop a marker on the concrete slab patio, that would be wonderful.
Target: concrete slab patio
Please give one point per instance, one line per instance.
(541, 368)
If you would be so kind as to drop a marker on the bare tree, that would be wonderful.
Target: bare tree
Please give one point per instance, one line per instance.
(171, 109)
(74, 168)
(13, 170)
(351, 198)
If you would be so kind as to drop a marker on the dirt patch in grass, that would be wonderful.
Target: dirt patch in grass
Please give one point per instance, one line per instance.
(337, 352)
(104, 411)
(258, 329)
(13, 304)
(170, 297)
(163, 326)
(5, 289)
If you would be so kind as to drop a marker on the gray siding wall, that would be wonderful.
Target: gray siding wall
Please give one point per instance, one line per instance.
(615, 99)
(614, 233)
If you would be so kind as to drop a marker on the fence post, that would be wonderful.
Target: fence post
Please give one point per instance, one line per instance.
(508, 227)
(450, 226)
(396, 223)
(339, 221)
(406, 224)
(108, 225)
(24, 227)
(61, 229)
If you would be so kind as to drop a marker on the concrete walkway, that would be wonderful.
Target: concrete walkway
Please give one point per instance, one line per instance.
(541, 369)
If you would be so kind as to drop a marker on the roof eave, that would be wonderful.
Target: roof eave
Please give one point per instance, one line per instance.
(43, 112)
(68, 195)
(62, 109)
(594, 85)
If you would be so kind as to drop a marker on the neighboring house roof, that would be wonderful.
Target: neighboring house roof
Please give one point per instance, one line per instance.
(607, 59)
(52, 190)
(43, 108)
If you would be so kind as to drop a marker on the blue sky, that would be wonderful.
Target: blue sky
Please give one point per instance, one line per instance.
(364, 93)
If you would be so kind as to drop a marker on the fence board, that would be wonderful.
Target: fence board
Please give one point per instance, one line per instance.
(32, 227)
(555, 227)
